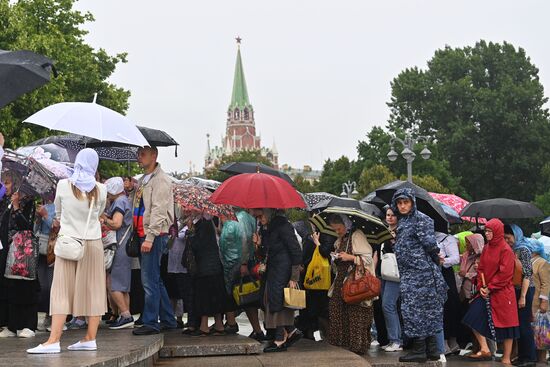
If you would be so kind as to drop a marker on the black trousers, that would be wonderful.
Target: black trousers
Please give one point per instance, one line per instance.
(380, 322)
(451, 309)
(527, 350)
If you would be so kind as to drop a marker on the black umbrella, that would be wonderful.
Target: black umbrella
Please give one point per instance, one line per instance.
(424, 202)
(347, 203)
(375, 200)
(545, 227)
(74, 143)
(374, 229)
(501, 208)
(236, 168)
(22, 72)
(314, 198)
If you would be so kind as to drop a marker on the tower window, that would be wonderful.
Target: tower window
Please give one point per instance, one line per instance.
(246, 115)
(237, 114)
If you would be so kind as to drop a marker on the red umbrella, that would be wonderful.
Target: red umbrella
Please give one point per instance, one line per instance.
(257, 190)
(457, 203)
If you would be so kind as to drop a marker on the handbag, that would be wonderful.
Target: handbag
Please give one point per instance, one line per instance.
(295, 298)
(133, 246)
(50, 255)
(22, 260)
(109, 251)
(517, 279)
(246, 293)
(188, 257)
(70, 248)
(360, 285)
(389, 269)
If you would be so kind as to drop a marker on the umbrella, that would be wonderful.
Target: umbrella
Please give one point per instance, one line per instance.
(489, 312)
(37, 180)
(424, 202)
(375, 200)
(258, 190)
(314, 198)
(501, 208)
(91, 120)
(56, 152)
(235, 168)
(348, 203)
(457, 203)
(21, 72)
(73, 143)
(211, 185)
(375, 230)
(545, 227)
(452, 216)
(197, 198)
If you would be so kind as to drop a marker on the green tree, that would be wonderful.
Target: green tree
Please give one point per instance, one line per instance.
(54, 28)
(241, 156)
(374, 177)
(303, 185)
(485, 106)
(335, 173)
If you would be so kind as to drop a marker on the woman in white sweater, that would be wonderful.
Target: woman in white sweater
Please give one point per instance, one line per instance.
(78, 287)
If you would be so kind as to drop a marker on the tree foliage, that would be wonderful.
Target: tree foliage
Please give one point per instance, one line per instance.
(485, 106)
(53, 28)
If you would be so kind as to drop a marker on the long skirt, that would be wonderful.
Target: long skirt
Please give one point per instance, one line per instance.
(349, 325)
(210, 295)
(79, 287)
(477, 319)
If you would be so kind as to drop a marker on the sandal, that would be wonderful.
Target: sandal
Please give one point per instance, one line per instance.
(480, 356)
(217, 332)
(199, 333)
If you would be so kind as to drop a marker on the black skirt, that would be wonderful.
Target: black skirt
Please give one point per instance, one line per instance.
(210, 295)
(477, 319)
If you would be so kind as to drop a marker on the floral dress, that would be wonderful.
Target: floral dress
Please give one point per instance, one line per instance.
(349, 325)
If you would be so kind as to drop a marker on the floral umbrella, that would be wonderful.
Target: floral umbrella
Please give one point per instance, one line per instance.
(192, 197)
(457, 203)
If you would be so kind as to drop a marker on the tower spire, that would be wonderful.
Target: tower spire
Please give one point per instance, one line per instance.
(239, 96)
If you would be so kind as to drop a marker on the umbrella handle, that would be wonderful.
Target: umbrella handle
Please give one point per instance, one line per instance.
(483, 280)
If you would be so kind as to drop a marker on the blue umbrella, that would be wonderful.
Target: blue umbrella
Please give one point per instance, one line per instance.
(452, 216)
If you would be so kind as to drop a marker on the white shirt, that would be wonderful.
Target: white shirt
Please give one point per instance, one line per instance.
(448, 246)
(73, 212)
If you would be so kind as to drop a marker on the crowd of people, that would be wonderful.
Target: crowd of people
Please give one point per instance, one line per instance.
(472, 290)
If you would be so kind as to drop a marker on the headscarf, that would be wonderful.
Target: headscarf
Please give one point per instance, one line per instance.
(115, 185)
(347, 222)
(477, 242)
(85, 167)
(406, 193)
(534, 246)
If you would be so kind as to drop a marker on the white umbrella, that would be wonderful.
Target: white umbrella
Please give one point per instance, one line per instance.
(91, 120)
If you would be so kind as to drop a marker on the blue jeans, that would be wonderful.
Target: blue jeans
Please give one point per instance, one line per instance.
(157, 303)
(440, 339)
(390, 297)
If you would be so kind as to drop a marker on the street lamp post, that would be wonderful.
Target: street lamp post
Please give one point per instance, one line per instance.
(349, 189)
(408, 154)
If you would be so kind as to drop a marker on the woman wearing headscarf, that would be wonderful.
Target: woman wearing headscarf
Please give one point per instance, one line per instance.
(469, 261)
(349, 324)
(78, 287)
(283, 260)
(18, 297)
(118, 217)
(541, 277)
(521, 246)
(423, 290)
(494, 281)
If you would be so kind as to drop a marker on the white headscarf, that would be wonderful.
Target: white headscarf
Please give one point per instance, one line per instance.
(85, 167)
(347, 221)
(115, 185)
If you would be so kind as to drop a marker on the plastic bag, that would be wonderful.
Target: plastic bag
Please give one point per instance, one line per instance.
(318, 273)
(541, 327)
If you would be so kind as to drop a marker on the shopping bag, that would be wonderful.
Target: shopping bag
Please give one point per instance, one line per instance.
(22, 259)
(541, 328)
(295, 298)
(318, 272)
(246, 292)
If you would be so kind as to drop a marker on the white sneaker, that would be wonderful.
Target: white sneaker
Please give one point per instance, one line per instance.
(90, 345)
(6, 333)
(25, 333)
(45, 349)
(393, 347)
(442, 358)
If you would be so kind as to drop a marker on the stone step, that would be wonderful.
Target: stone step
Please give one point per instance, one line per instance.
(305, 353)
(178, 345)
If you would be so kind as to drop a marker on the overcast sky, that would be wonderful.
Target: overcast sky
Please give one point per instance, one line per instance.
(318, 72)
